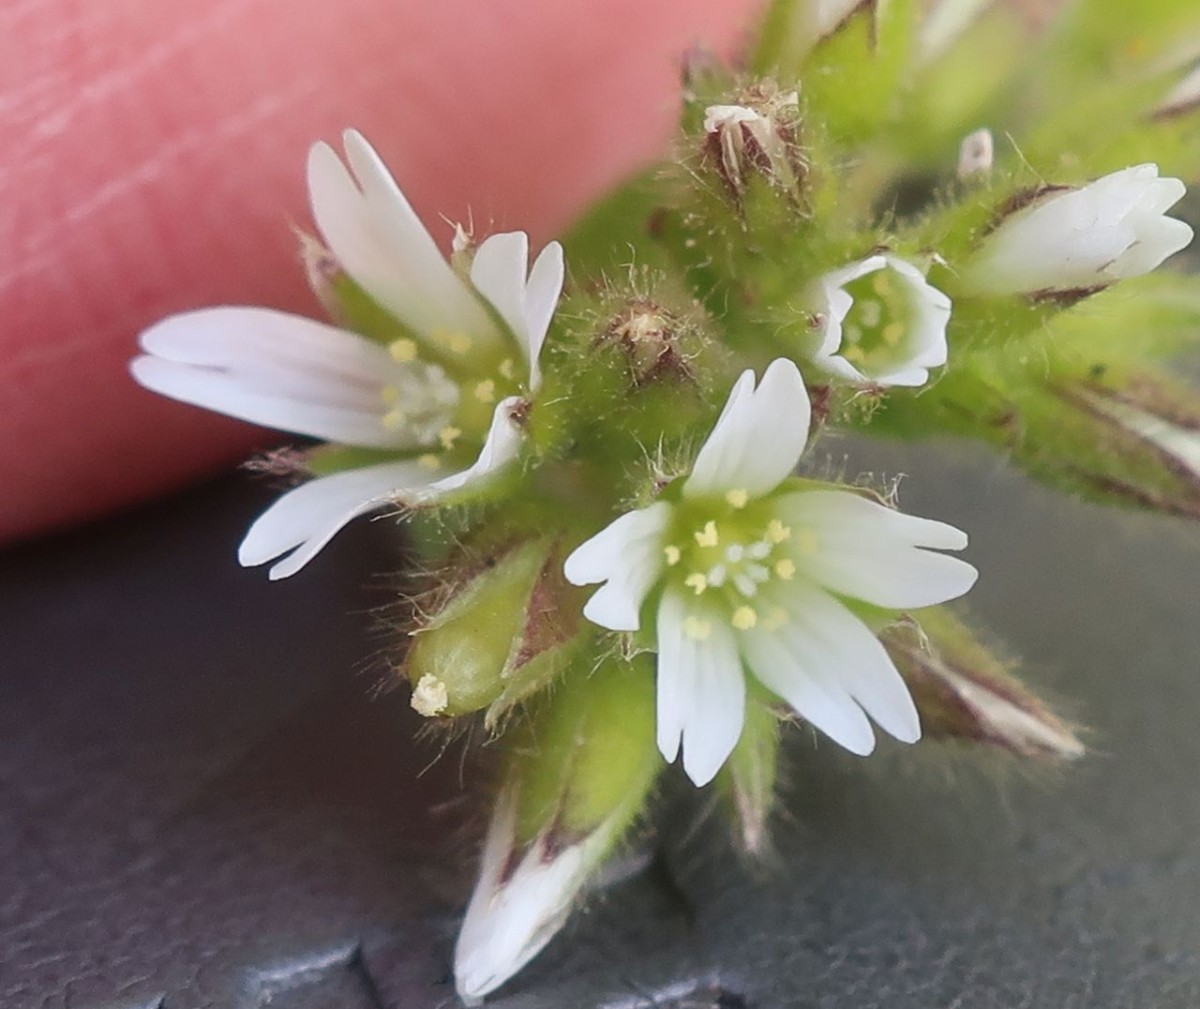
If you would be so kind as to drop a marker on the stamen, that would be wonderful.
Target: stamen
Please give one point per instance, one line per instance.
(737, 498)
(758, 573)
(390, 395)
(853, 334)
(734, 552)
(508, 369)
(708, 536)
(449, 435)
(744, 618)
(786, 569)
(429, 461)
(777, 532)
(892, 333)
(403, 351)
(871, 313)
(717, 575)
(485, 391)
(696, 582)
(882, 283)
(758, 551)
(745, 584)
(460, 343)
(697, 629)
(673, 554)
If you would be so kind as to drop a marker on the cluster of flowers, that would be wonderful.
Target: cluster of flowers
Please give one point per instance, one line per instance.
(747, 569)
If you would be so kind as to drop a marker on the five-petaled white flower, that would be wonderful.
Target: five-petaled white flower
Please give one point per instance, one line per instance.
(436, 433)
(748, 570)
(877, 321)
(1069, 239)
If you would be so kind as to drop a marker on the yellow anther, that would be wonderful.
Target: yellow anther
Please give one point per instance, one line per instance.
(892, 333)
(737, 498)
(808, 541)
(508, 369)
(403, 351)
(459, 343)
(697, 629)
(786, 569)
(429, 460)
(449, 435)
(708, 536)
(673, 555)
(775, 619)
(390, 395)
(853, 353)
(744, 618)
(696, 582)
(485, 391)
(777, 532)
(394, 420)
(882, 283)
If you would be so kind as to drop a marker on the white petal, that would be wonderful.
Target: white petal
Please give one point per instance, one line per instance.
(541, 299)
(1155, 244)
(806, 686)
(382, 244)
(305, 519)
(498, 273)
(866, 551)
(701, 688)
(847, 650)
(838, 653)
(502, 446)
(758, 438)
(275, 369)
(518, 904)
(628, 555)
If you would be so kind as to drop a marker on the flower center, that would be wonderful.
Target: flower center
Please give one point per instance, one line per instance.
(418, 401)
(728, 554)
(879, 319)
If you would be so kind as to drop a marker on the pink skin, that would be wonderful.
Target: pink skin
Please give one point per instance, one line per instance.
(154, 160)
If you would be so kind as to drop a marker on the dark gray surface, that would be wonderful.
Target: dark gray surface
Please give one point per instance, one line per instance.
(201, 804)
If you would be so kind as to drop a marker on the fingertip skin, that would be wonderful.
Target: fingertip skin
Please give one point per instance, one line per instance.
(155, 158)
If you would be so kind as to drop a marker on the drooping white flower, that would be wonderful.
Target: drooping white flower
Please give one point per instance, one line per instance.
(746, 570)
(309, 378)
(878, 322)
(523, 896)
(1077, 240)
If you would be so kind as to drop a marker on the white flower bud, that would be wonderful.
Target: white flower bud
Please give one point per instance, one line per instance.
(976, 154)
(1075, 241)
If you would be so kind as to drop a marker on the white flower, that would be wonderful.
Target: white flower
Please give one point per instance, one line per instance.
(522, 898)
(747, 571)
(298, 375)
(879, 322)
(1076, 240)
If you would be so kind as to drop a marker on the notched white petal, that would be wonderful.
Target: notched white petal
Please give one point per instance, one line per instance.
(303, 520)
(759, 437)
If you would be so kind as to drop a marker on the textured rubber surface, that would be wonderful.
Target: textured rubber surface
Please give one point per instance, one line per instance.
(202, 804)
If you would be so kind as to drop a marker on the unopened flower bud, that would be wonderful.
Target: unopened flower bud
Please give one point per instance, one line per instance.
(500, 630)
(1183, 98)
(964, 692)
(757, 135)
(1135, 441)
(976, 154)
(1063, 243)
(579, 771)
